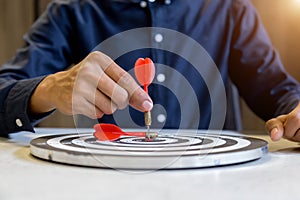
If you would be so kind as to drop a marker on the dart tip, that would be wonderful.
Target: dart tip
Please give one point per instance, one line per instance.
(150, 136)
(148, 132)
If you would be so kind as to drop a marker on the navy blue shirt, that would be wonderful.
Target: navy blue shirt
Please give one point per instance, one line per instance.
(188, 40)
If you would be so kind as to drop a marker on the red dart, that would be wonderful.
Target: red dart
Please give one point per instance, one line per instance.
(144, 71)
(104, 132)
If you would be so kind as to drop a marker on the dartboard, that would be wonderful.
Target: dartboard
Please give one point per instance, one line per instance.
(168, 151)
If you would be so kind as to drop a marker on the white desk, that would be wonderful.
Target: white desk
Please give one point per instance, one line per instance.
(22, 177)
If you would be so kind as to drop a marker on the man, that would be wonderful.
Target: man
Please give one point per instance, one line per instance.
(38, 80)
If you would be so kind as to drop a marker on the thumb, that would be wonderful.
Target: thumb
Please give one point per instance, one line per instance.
(275, 128)
(140, 100)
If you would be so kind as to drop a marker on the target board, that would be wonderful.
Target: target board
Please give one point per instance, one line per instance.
(178, 151)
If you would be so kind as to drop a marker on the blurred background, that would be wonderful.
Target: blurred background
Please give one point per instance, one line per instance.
(280, 17)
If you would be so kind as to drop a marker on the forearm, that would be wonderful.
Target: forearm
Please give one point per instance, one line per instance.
(41, 98)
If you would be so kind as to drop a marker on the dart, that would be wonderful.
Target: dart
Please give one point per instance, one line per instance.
(144, 71)
(110, 132)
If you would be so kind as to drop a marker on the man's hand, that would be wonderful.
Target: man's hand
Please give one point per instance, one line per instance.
(285, 126)
(94, 87)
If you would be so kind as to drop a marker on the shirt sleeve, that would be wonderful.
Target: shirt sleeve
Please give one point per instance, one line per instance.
(40, 56)
(14, 115)
(256, 68)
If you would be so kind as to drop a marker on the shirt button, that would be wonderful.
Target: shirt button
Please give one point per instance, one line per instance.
(161, 118)
(19, 123)
(168, 2)
(158, 38)
(143, 4)
(161, 78)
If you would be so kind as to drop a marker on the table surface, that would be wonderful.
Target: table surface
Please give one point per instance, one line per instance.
(274, 176)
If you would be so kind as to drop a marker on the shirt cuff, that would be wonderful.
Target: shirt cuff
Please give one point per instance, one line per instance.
(16, 117)
(287, 103)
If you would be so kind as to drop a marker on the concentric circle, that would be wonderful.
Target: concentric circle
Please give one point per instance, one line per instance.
(167, 152)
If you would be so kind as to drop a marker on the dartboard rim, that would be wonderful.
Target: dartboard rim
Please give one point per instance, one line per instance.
(254, 151)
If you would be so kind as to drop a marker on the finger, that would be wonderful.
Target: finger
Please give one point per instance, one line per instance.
(96, 98)
(138, 98)
(296, 137)
(276, 133)
(94, 77)
(137, 95)
(101, 58)
(275, 128)
(82, 106)
(103, 103)
(292, 125)
(111, 89)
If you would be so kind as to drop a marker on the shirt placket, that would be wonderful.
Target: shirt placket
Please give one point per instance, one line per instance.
(159, 115)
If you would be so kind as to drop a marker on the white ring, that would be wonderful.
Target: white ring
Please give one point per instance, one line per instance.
(172, 151)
